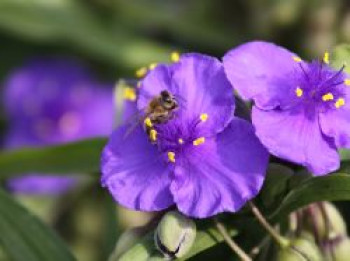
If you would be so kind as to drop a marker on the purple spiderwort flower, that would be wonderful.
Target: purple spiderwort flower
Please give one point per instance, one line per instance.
(50, 101)
(302, 110)
(205, 160)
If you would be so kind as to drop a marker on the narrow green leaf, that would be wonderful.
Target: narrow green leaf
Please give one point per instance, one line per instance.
(25, 238)
(80, 157)
(329, 188)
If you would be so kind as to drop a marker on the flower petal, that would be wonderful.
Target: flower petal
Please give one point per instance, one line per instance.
(200, 84)
(292, 136)
(218, 175)
(134, 173)
(36, 184)
(336, 123)
(263, 72)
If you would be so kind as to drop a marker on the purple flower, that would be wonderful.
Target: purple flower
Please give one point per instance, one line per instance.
(204, 159)
(302, 110)
(52, 101)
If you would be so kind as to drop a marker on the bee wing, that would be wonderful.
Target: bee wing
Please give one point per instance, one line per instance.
(133, 122)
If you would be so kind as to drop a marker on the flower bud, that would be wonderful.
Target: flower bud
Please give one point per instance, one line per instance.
(329, 224)
(300, 249)
(175, 234)
(337, 249)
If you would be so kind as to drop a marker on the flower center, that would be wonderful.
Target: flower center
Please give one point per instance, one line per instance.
(320, 86)
(177, 136)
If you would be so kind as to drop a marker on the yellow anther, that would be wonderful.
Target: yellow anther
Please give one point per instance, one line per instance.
(328, 97)
(153, 135)
(129, 94)
(339, 103)
(141, 72)
(152, 66)
(138, 85)
(181, 141)
(171, 156)
(326, 57)
(347, 82)
(175, 57)
(204, 117)
(148, 122)
(297, 59)
(199, 141)
(299, 92)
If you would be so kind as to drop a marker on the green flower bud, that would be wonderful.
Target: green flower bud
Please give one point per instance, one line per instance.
(300, 249)
(337, 249)
(326, 228)
(175, 234)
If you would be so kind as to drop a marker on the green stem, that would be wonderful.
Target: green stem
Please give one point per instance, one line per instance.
(232, 244)
(280, 240)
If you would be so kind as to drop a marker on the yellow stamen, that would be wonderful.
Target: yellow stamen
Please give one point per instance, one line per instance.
(148, 122)
(339, 103)
(171, 156)
(326, 57)
(141, 72)
(347, 82)
(175, 57)
(328, 97)
(129, 94)
(199, 141)
(181, 141)
(152, 66)
(299, 92)
(297, 59)
(153, 135)
(204, 117)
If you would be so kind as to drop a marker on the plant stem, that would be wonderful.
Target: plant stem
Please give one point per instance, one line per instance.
(232, 244)
(281, 241)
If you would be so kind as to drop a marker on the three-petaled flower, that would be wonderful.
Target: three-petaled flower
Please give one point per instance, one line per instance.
(302, 110)
(203, 159)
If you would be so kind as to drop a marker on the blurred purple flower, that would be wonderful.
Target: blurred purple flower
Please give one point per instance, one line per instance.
(302, 110)
(205, 160)
(50, 101)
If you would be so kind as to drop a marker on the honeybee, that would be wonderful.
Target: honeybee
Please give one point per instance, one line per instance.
(159, 110)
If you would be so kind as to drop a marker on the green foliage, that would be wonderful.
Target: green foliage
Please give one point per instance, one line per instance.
(341, 56)
(25, 238)
(79, 157)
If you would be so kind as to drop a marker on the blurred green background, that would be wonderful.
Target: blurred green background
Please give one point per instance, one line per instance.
(115, 37)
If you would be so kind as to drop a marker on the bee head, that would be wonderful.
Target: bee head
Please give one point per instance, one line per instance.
(168, 101)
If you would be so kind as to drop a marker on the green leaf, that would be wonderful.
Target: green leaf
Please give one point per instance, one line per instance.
(328, 188)
(71, 23)
(341, 56)
(80, 157)
(25, 238)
